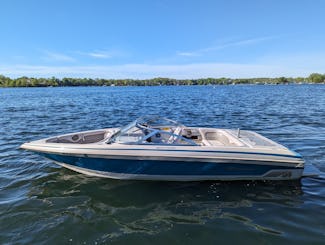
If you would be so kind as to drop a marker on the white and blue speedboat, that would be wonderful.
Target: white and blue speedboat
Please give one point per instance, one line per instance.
(161, 149)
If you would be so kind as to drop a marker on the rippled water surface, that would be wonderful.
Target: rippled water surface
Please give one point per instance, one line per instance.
(43, 203)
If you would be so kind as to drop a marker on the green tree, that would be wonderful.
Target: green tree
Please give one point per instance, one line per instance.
(5, 81)
(316, 78)
(282, 80)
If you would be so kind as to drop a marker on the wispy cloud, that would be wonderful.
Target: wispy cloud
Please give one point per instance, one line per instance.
(98, 54)
(188, 54)
(225, 45)
(184, 71)
(243, 42)
(54, 56)
(61, 57)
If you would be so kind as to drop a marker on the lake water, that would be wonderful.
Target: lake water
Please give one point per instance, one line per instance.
(43, 203)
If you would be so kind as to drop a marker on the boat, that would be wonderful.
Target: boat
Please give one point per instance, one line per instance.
(157, 148)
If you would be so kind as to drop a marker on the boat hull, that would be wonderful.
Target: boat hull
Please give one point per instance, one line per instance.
(157, 148)
(146, 169)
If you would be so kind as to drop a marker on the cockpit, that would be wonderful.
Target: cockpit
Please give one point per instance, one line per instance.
(152, 130)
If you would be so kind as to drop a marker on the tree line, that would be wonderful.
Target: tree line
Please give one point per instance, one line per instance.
(56, 82)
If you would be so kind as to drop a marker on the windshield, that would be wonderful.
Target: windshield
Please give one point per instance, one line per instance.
(151, 130)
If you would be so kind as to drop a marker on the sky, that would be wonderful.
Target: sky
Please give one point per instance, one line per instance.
(162, 38)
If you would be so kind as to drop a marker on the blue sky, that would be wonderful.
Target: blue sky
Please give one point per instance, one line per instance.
(162, 38)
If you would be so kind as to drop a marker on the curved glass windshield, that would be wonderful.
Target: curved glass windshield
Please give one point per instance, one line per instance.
(151, 130)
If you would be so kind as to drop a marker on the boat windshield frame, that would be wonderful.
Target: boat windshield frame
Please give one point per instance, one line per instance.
(150, 128)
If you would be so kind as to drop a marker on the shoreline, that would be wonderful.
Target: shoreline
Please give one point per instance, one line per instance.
(314, 78)
(169, 85)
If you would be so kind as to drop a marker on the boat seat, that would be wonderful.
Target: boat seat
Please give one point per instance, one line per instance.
(173, 137)
(218, 138)
(92, 138)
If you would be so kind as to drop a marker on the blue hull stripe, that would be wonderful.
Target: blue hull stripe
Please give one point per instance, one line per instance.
(151, 167)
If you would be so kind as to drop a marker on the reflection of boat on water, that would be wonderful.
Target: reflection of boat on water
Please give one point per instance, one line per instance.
(161, 149)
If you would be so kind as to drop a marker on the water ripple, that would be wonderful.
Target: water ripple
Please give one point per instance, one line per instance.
(41, 202)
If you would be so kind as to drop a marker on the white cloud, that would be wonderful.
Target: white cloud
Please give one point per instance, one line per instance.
(225, 45)
(97, 54)
(187, 53)
(184, 71)
(54, 56)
